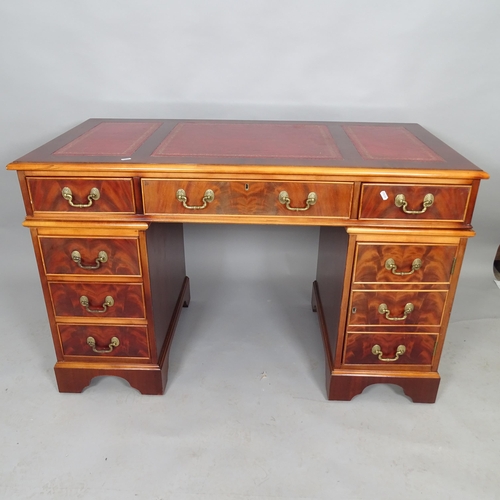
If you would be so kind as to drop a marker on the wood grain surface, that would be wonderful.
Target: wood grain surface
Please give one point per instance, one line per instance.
(419, 348)
(450, 202)
(128, 299)
(133, 341)
(247, 198)
(429, 307)
(437, 263)
(123, 255)
(116, 195)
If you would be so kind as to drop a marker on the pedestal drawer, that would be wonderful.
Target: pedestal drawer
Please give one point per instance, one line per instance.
(98, 300)
(414, 202)
(81, 196)
(401, 263)
(104, 341)
(396, 308)
(389, 349)
(247, 198)
(90, 256)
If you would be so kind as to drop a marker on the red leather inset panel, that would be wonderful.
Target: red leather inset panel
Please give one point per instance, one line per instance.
(258, 140)
(389, 143)
(110, 139)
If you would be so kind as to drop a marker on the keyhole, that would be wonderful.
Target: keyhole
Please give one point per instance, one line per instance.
(247, 186)
(354, 310)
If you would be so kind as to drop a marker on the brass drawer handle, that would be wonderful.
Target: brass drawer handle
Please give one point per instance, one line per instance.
(382, 309)
(377, 351)
(108, 302)
(284, 199)
(114, 343)
(102, 257)
(93, 196)
(400, 202)
(208, 197)
(391, 266)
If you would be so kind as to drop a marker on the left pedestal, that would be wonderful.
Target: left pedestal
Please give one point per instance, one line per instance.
(114, 293)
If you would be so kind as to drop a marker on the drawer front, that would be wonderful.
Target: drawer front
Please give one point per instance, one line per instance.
(389, 349)
(378, 201)
(127, 300)
(90, 256)
(367, 308)
(248, 198)
(404, 263)
(114, 195)
(132, 341)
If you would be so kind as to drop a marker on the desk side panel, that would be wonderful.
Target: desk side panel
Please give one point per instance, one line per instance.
(330, 277)
(167, 271)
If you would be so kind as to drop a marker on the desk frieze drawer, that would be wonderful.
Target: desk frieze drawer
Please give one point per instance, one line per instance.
(97, 300)
(389, 349)
(101, 342)
(397, 308)
(81, 195)
(90, 256)
(379, 263)
(289, 199)
(414, 202)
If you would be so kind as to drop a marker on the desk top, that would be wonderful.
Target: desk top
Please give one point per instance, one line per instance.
(117, 143)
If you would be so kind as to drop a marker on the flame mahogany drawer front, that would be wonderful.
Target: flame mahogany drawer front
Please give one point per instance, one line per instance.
(132, 341)
(90, 256)
(89, 195)
(396, 308)
(424, 202)
(404, 263)
(248, 198)
(98, 300)
(389, 349)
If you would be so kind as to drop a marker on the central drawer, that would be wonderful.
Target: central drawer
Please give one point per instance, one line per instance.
(287, 198)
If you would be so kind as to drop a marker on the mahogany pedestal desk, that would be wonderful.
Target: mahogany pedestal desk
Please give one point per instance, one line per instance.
(105, 203)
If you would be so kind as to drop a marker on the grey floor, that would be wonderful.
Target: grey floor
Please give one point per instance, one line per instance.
(244, 415)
